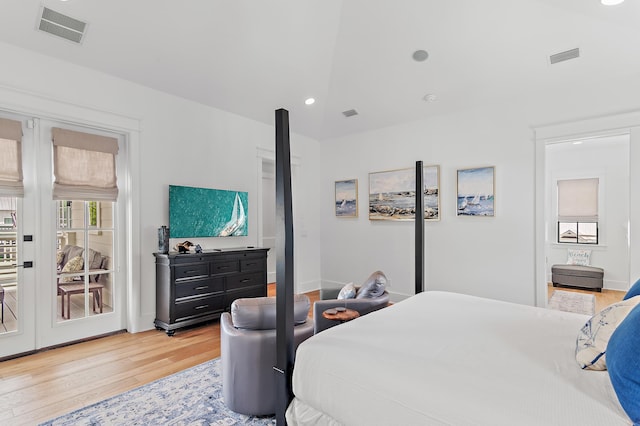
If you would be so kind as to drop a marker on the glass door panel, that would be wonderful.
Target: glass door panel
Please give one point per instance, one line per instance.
(84, 258)
(8, 265)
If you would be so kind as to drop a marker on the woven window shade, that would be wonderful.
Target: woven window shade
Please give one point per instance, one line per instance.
(84, 166)
(11, 159)
(578, 200)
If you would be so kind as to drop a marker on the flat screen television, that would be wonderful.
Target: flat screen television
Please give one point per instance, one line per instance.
(204, 212)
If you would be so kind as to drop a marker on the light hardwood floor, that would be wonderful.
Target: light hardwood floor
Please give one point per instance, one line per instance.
(39, 387)
(50, 383)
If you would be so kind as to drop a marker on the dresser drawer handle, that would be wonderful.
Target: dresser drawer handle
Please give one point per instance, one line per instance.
(201, 307)
(201, 287)
(223, 267)
(246, 280)
(190, 272)
(251, 264)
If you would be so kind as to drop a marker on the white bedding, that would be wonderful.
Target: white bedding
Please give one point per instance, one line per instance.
(449, 359)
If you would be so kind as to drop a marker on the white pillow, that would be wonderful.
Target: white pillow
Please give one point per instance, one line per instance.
(579, 257)
(347, 292)
(593, 338)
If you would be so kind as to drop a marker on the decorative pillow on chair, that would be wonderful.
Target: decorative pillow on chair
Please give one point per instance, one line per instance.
(624, 364)
(347, 292)
(73, 265)
(579, 257)
(593, 338)
(59, 259)
(373, 286)
(633, 291)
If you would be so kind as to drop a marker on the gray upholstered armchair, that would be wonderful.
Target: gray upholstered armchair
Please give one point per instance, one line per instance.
(368, 297)
(248, 351)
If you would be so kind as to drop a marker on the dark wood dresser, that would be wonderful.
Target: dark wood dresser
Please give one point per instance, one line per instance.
(193, 288)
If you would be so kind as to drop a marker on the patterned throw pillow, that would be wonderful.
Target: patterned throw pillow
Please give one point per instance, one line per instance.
(579, 257)
(594, 336)
(373, 286)
(347, 292)
(73, 265)
(59, 258)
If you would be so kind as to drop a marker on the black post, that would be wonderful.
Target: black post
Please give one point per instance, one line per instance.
(419, 228)
(284, 268)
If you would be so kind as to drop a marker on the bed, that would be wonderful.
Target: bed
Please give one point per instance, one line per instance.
(442, 358)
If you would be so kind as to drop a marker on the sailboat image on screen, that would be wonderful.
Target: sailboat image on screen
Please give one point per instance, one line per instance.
(238, 219)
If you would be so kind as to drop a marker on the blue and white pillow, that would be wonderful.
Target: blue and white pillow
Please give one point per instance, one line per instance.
(633, 291)
(624, 364)
(594, 336)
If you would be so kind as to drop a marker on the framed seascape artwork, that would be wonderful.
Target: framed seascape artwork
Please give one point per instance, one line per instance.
(476, 191)
(346, 202)
(392, 194)
(207, 212)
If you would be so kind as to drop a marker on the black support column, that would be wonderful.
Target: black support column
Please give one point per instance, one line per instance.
(284, 268)
(419, 228)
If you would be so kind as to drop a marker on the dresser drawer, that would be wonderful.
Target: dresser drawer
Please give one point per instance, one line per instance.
(191, 271)
(246, 292)
(224, 267)
(245, 280)
(199, 287)
(196, 307)
(251, 264)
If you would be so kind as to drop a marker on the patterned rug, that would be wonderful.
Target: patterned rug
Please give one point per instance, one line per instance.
(569, 301)
(190, 397)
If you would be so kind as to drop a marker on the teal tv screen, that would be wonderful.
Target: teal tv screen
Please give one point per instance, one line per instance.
(205, 212)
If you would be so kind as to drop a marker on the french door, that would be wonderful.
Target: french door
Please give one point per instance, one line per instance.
(65, 284)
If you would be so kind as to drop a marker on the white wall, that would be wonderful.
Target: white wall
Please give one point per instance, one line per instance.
(485, 256)
(179, 142)
(490, 257)
(608, 159)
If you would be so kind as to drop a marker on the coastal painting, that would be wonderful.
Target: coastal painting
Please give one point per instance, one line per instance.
(346, 202)
(392, 194)
(476, 189)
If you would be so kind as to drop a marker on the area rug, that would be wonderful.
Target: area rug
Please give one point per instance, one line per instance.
(190, 397)
(568, 301)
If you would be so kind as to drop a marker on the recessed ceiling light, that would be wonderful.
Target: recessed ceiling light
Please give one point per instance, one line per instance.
(420, 55)
(611, 2)
(430, 97)
(309, 101)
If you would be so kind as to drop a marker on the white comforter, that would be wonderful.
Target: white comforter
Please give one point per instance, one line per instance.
(449, 359)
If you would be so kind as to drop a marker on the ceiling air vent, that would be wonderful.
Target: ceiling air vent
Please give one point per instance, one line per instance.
(564, 56)
(350, 113)
(60, 25)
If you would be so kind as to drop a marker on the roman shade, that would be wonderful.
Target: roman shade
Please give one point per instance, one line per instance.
(84, 166)
(578, 200)
(11, 159)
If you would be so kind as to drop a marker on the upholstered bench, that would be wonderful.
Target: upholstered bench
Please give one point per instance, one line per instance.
(589, 277)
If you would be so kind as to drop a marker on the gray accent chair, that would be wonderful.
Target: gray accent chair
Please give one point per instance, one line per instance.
(363, 306)
(248, 352)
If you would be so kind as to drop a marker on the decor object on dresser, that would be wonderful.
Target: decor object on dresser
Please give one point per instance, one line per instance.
(346, 202)
(476, 191)
(369, 297)
(392, 194)
(248, 351)
(193, 288)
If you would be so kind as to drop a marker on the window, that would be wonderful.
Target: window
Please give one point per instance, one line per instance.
(578, 211)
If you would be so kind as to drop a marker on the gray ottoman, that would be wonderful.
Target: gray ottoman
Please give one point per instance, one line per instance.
(589, 277)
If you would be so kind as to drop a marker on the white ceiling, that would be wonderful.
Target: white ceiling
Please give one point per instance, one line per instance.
(251, 57)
